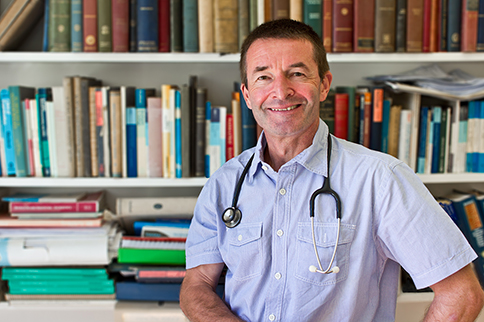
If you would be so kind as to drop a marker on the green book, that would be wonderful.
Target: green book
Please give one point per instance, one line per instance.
(61, 283)
(151, 256)
(104, 29)
(312, 10)
(59, 25)
(17, 95)
(94, 289)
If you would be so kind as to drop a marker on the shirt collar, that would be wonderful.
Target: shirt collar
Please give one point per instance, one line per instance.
(314, 158)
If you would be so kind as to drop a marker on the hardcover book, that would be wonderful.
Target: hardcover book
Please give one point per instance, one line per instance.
(89, 25)
(59, 25)
(343, 25)
(364, 25)
(120, 25)
(225, 26)
(147, 26)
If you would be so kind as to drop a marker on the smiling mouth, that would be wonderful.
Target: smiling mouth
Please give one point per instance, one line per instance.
(290, 108)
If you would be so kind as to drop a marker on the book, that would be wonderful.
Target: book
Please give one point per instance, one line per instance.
(89, 25)
(104, 26)
(45, 39)
(166, 292)
(151, 256)
(137, 242)
(162, 228)
(352, 135)
(44, 197)
(434, 26)
(43, 94)
(364, 26)
(341, 106)
(454, 25)
(199, 155)
(328, 25)
(56, 215)
(142, 130)
(29, 136)
(208, 128)
(167, 129)
(17, 95)
(59, 25)
(176, 25)
(326, 110)
(423, 139)
(470, 11)
(414, 26)
(312, 15)
(436, 128)
(51, 130)
(129, 102)
(237, 123)
(480, 27)
(385, 128)
(205, 26)
(376, 118)
(192, 121)
(401, 26)
(7, 132)
(185, 128)
(91, 202)
(190, 26)
(155, 156)
(343, 25)
(178, 135)
(7, 221)
(76, 26)
(17, 21)
(34, 116)
(164, 26)
(116, 126)
(243, 20)
(280, 9)
(394, 130)
(249, 131)
(93, 129)
(133, 26)
(385, 22)
(225, 26)
(147, 26)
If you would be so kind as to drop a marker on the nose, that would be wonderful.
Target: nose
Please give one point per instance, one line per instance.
(282, 88)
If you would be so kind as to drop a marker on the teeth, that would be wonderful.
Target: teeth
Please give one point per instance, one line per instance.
(285, 109)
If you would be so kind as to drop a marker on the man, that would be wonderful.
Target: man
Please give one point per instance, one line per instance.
(387, 216)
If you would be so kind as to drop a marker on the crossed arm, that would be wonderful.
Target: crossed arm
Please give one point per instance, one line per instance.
(458, 297)
(198, 299)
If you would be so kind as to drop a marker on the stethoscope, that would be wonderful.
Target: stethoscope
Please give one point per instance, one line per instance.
(232, 215)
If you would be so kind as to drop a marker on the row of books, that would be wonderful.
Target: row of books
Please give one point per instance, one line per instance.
(84, 129)
(187, 25)
(448, 134)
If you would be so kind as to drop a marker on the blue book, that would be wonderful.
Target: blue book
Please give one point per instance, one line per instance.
(190, 26)
(480, 167)
(147, 25)
(41, 97)
(208, 117)
(249, 126)
(17, 96)
(178, 136)
(436, 127)
(45, 40)
(181, 226)
(7, 132)
(454, 25)
(131, 149)
(480, 27)
(385, 127)
(471, 126)
(77, 42)
(422, 146)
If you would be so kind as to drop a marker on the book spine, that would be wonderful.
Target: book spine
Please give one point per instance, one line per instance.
(120, 25)
(376, 119)
(35, 139)
(99, 168)
(434, 26)
(164, 25)
(480, 27)
(76, 26)
(480, 161)
(178, 136)
(131, 148)
(7, 132)
(249, 131)
(104, 26)
(243, 20)
(280, 9)
(326, 110)
(170, 139)
(404, 137)
(60, 25)
(45, 39)
(296, 10)
(133, 25)
(454, 25)
(414, 25)
(253, 14)
(341, 115)
(215, 153)
(437, 122)
(190, 26)
(89, 25)
(401, 26)
(208, 128)
(185, 130)
(205, 25)
(166, 119)
(328, 25)
(52, 135)
(394, 130)
(141, 115)
(470, 10)
(201, 100)
(147, 27)
(176, 25)
(225, 26)
(312, 11)
(427, 12)
(46, 207)
(28, 137)
(443, 24)
(385, 25)
(155, 135)
(364, 26)
(444, 140)
(43, 137)
(343, 25)
(237, 123)
(116, 128)
(367, 119)
(385, 128)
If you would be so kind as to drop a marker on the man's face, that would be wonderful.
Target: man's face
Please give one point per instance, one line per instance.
(283, 86)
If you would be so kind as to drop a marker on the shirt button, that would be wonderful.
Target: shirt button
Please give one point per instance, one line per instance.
(239, 237)
(264, 168)
(278, 276)
(280, 233)
(272, 317)
(282, 191)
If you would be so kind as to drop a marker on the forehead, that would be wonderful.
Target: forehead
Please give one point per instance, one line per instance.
(273, 53)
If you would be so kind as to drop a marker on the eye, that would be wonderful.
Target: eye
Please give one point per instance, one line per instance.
(263, 78)
(298, 74)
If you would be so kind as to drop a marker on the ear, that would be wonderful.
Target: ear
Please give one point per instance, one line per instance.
(325, 86)
(245, 94)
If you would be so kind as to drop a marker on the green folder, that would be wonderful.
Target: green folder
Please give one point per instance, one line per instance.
(151, 256)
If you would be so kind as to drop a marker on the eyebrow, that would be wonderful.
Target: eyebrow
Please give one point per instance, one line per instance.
(295, 65)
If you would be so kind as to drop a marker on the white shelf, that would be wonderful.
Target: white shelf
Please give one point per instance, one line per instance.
(101, 182)
(48, 57)
(450, 178)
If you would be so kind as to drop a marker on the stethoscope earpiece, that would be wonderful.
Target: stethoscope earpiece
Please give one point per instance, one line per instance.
(231, 217)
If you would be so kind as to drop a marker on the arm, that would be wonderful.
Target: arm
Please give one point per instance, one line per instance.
(458, 297)
(198, 299)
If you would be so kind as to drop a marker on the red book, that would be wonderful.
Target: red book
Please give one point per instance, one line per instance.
(164, 25)
(469, 25)
(328, 25)
(91, 202)
(12, 222)
(364, 33)
(343, 25)
(229, 137)
(427, 13)
(89, 28)
(341, 104)
(120, 25)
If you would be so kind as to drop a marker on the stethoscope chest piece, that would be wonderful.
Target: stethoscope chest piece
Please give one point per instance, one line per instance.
(231, 217)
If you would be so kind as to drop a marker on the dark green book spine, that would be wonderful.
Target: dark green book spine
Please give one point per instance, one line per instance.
(60, 25)
(190, 26)
(176, 25)
(312, 15)
(104, 25)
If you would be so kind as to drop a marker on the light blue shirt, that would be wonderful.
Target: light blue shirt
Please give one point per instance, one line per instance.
(388, 217)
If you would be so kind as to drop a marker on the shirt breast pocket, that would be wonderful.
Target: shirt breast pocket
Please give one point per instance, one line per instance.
(244, 255)
(325, 236)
